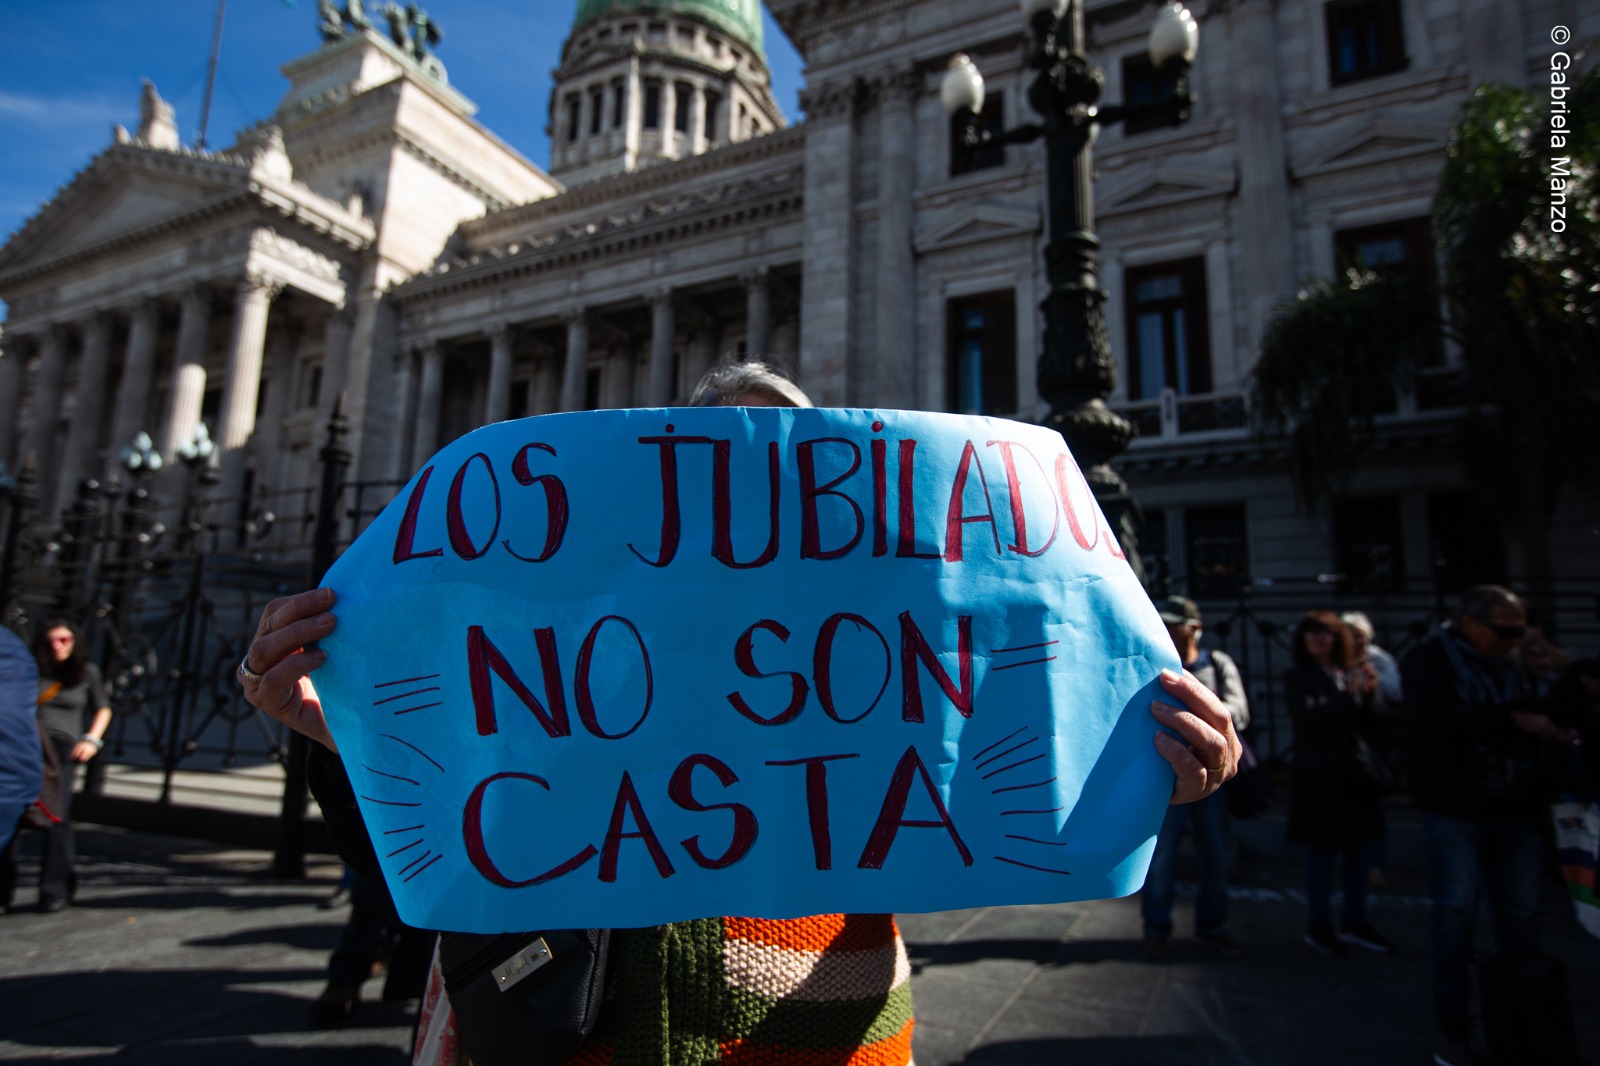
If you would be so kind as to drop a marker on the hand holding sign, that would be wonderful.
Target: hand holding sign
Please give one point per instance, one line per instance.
(628, 667)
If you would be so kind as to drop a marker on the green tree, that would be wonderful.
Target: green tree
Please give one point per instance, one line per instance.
(1517, 222)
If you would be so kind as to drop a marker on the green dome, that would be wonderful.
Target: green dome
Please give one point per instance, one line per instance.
(741, 18)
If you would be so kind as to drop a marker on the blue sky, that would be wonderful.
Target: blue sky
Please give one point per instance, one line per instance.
(73, 69)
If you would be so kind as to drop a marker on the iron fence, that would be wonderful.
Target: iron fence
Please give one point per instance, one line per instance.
(167, 581)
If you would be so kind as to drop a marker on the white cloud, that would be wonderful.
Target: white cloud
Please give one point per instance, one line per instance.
(64, 110)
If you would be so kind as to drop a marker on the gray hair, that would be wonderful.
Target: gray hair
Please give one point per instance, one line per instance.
(726, 382)
(1478, 601)
(1358, 621)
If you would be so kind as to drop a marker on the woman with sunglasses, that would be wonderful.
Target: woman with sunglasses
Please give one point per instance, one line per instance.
(1336, 792)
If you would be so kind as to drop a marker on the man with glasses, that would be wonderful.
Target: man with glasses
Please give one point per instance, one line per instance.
(1471, 735)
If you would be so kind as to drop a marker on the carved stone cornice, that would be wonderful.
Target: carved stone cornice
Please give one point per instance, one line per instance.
(755, 200)
(621, 188)
(833, 99)
(900, 86)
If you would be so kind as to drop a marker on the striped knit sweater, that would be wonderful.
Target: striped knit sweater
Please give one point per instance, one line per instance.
(831, 990)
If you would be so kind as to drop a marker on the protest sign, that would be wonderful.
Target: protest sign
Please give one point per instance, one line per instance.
(621, 668)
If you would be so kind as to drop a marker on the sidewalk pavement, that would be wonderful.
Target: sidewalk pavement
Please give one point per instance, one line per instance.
(185, 952)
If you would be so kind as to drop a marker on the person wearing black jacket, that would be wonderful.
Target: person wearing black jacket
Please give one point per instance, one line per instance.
(1470, 736)
(1336, 791)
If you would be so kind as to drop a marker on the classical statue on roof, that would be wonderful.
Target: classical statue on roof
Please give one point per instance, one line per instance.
(411, 28)
(341, 20)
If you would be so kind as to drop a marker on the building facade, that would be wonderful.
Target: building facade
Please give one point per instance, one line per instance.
(374, 240)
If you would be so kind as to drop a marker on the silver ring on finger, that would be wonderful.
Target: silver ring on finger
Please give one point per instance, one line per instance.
(247, 674)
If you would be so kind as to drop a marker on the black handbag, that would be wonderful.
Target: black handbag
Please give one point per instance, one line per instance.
(1368, 771)
(524, 999)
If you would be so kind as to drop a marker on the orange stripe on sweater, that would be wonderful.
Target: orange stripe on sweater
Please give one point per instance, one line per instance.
(1578, 875)
(895, 1051)
(822, 932)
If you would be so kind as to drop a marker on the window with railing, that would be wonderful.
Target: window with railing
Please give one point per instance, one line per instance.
(1399, 249)
(1369, 543)
(1168, 342)
(1217, 551)
(982, 354)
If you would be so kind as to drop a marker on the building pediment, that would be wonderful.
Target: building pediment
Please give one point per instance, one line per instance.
(123, 192)
(1374, 143)
(132, 194)
(1163, 186)
(974, 223)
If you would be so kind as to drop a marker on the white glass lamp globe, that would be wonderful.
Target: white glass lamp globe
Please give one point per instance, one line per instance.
(1175, 35)
(963, 85)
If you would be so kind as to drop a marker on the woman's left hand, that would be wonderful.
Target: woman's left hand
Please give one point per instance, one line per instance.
(83, 751)
(1208, 754)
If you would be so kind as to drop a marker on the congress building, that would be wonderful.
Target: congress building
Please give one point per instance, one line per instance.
(373, 240)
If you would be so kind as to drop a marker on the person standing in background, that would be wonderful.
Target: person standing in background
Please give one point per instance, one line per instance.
(1383, 664)
(69, 692)
(1336, 791)
(1209, 817)
(1471, 730)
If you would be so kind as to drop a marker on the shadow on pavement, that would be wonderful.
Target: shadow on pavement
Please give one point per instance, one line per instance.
(1041, 951)
(130, 1007)
(1104, 1051)
(308, 937)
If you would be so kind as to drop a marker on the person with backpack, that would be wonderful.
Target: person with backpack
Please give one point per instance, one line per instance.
(1209, 816)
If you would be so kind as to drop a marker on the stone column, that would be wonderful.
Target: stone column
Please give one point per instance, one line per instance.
(426, 441)
(757, 314)
(335, 362)
(547, 385)
(278, 372)
(617, 386)
(1267, 273)
(896, 317)
(700, 354)
(669, 117)
(48, 374)
(632, 115)
(188, 391)
(697, 120)
(576, 372)
(404, 386)
(12, 380)
(240, 392)
(497, 403)
(133, 394)
(88, 408)
(662, 330)
(827, 285)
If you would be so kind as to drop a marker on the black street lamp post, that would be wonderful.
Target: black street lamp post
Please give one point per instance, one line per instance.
(198, 454)
(1076, 368)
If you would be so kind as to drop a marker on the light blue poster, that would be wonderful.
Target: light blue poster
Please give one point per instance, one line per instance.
(621, 668)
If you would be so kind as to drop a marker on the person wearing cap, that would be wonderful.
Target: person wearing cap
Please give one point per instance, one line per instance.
(1209, 817)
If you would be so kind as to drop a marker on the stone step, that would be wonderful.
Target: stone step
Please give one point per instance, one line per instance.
(240, 806)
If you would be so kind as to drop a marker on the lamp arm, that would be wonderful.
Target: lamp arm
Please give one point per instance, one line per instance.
(973, 137)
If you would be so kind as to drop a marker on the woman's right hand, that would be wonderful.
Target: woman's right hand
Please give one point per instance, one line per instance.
(278, 655)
